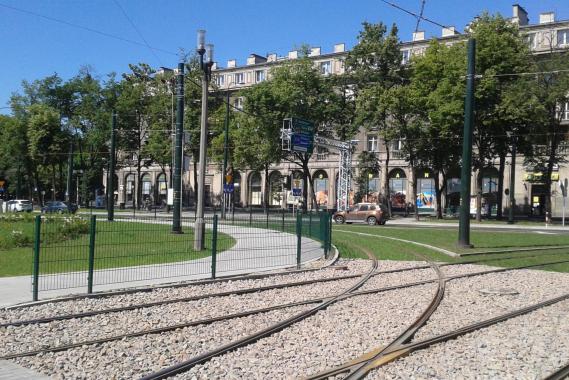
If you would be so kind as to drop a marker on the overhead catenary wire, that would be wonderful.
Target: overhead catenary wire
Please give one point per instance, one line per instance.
(419, 17)
(82, 27)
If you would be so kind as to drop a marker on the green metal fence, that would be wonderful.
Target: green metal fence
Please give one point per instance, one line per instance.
(89, 251)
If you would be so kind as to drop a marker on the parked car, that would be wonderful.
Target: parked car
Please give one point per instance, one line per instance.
(59, 207)
(19, 205)
(369, 213)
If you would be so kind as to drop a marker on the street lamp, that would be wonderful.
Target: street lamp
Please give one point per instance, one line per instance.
(203, 50)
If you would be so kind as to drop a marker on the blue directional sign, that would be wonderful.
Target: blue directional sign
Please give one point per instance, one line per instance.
(296, 192)
(302, 138)
(228, 188)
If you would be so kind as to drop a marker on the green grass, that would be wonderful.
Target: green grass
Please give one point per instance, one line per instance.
(118, 244)
(352, 246)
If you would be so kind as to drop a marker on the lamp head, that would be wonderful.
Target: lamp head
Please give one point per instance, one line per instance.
(209, 53)
(201, 41)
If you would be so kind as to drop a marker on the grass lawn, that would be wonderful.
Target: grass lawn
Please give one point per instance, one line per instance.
(117, 244)
(351, 245)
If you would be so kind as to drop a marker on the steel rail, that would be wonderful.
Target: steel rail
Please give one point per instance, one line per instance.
(359, 367)
(236, 292)
(143, 289)
(561, 373)
(174, 300)
(188, 364)
(248, 313)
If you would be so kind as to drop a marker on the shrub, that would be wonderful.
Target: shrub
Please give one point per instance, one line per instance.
(21, 240)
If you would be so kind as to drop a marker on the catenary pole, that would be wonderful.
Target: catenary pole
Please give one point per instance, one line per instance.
(464, 222)
(177, 183)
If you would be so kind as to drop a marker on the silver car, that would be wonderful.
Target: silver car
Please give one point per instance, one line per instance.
(19, 205)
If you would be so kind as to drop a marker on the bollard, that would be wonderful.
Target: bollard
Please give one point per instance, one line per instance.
(92, 232)
(36, 267)
(214, 247)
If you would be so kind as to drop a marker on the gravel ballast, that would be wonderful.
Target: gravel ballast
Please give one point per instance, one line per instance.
(535, 344)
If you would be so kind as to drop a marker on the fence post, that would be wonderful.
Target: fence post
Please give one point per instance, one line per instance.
(36, 266)
(310, 223)
(329, 232)
(250, 215)
(267, 218)
(214, 247)
(298, 239)
(233, 215)
(325, 236)
(92, 231)
(282, 219)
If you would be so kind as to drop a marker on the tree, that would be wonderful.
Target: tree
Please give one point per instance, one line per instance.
(548, 135)
(375, 66)
(437, 98)
(499, 50)
(368, 164)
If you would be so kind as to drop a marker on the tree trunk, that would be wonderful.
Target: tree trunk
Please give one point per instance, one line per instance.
(414, 191)
(267, 190)
(550, 163)
(386, 179)
(53, 182)
(439, 188)
(500, 196)
(196, 186)
(138, 188)
(305, 177)
(478, 196)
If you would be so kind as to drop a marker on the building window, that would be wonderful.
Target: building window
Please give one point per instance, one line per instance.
(372, 143)
(406, 54)
(220, 80)
(565, 112)
(326, 67)
(563, 37)
(239, 78)
(238, 103)
(396, 145)
(531, 40)
(259, 76)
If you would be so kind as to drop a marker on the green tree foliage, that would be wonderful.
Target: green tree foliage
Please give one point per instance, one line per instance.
(375, 67)
(436, 98)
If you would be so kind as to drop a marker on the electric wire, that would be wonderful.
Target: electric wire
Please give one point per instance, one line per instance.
(82, 27)
(138, 31)
(416, 15)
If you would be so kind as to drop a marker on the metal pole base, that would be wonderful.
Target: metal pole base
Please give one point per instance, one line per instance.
(464, 245)
(177, 232)
(199, 234)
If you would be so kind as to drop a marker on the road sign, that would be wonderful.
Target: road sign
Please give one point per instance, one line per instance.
(302, 139)
(296, 192)
(228, 188)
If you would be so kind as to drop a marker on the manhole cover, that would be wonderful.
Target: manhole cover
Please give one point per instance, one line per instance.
(499, 291)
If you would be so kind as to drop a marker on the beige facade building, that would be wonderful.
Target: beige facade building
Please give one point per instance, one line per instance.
(543, 37)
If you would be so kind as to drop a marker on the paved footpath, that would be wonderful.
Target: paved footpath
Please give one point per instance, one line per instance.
(255, 250)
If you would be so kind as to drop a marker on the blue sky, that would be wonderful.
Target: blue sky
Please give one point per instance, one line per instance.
(33, 47)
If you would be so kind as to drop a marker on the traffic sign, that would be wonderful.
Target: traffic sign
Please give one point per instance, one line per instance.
(297, 192)
(228, 188)
(302, 139)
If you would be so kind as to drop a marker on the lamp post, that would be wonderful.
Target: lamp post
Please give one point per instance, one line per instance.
(369, 176)
(206, 64)
(514, 138)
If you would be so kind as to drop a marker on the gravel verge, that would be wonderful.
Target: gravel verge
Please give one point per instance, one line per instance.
(167, 293)
(58, 333)
(531, 346)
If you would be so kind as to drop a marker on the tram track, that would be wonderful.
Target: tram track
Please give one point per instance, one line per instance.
(244, 291)
(402, 345)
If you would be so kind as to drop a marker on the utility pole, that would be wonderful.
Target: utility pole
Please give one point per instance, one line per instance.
(177, 183)
(199, 227)
(225, 153)
(111, 180)
(69, 173)
(464, 222)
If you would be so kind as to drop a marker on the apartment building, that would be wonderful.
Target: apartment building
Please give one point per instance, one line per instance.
(543, 37)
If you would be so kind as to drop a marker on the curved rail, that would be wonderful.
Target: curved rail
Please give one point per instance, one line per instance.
(188, 364)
